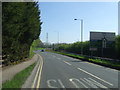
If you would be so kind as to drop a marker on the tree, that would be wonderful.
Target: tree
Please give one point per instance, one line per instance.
(118, 46)
(21, 25)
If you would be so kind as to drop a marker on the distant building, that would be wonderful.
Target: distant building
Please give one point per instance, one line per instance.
(119, 18)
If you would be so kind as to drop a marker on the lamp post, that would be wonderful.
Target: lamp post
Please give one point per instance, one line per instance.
(81, 34)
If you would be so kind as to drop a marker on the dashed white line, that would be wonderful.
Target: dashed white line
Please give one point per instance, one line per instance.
(94, 76)
(66, 62)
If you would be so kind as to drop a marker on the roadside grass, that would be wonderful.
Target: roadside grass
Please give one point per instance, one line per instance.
(111, 64)
(18, 80)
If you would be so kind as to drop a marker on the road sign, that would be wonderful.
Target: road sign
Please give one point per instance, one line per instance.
(101, 41)
(109, 36)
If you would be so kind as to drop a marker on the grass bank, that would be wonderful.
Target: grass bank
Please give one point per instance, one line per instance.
(19, 79)
(111, 64)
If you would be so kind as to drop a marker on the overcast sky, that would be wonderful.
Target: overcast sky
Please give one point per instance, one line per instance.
(59, 17)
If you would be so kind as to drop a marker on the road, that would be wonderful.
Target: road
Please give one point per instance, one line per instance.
(59, 71)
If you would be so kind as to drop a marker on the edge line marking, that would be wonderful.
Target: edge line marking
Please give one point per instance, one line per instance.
(35, 78)
(39, 78)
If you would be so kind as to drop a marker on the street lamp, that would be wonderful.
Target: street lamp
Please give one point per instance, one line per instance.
(81, 34)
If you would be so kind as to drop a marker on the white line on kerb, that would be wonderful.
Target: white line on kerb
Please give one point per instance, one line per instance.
(95, 76)
(66, 62)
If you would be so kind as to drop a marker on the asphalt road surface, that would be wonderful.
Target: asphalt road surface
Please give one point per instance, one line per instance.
(59, 71)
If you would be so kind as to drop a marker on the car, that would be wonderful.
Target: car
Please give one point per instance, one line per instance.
(42, 50)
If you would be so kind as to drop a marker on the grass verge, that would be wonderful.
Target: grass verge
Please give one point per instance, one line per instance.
(102, 62)
(19, 79)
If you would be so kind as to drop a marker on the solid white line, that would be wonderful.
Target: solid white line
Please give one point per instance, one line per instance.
(39, 78)
(95, 76)
(33, 85)
(66, 62)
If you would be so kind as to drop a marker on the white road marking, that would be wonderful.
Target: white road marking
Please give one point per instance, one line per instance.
(61, 83)
(76, 86)
(66, 62)
(93, 83)
(97, 83)
(49, 83)
(94, 76)
(88, 82)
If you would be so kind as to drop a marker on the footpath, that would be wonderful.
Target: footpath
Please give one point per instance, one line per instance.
(9, 72)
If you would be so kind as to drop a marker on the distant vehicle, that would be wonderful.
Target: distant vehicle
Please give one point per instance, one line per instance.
(42, 50)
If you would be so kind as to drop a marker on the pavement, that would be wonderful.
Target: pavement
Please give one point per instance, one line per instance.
(10, 71)
(59, 71)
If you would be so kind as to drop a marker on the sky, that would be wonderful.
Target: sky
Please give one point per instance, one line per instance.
(58, 20)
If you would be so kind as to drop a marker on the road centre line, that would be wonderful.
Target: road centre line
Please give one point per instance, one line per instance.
(94, 76)
(66, 62)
